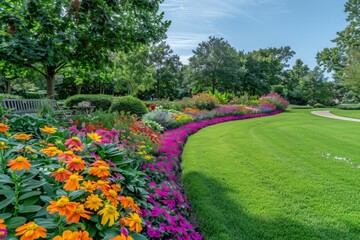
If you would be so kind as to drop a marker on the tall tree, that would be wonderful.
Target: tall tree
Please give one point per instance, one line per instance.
(48, 35)
(340, 57)
(214, 65)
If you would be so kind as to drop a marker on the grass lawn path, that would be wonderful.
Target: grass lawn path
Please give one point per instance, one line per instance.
(289, 176)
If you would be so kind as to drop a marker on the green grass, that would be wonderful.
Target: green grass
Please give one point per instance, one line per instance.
(289, 176)
(346, 113)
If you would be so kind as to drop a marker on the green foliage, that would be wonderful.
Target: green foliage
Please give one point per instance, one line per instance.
(164, 118)
(301, 107)
(153, 125)
(166, 104)
(129, 104)
(35, 95)
(11, 96)
(349, 106)
(45, 109)
(100, 101)
(48, 36)
(223, 98)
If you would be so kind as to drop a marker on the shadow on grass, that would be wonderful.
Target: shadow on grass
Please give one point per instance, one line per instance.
(224, 219)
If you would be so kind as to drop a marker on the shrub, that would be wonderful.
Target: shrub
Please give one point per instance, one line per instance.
(349, 106)
(276, 99)
(165, 104)
(100, 101)
(164, 118)
(154, 125)
(129, 104)
(201, 101)
(10, 96)
(301, 107)
(318, 105)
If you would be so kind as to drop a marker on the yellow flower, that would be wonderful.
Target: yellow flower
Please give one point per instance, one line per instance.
(23, 136)
(48, 130)
(51, 151)
(109, 214)
(4, 127)
(93, 202)
(134, 222)
(148, 157)
(3, 145)
(19, 163)
(30, 231)
(69, 235)
(72, 183)
(94, 136)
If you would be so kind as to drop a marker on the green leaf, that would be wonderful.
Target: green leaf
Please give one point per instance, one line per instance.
(7, 192)
(15, 222)
(76, 194)
(30, 209)
(29, 194)
(46, 223)
(46, 199)
(5, 215)
(5, 179)
(138, 236)
(6, 202)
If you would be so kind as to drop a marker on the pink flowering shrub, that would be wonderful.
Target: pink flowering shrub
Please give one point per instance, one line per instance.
(277, 100)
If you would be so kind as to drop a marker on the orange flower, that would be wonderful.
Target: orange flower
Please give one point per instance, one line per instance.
(103, 186)
(100, 171)
(79, 212)
(19, 163)
(63, 206)
(48, 130)
(112, 196)
(89, 186)
(30, 231)
(76, 163)
(51, 151)
(94, 136)
(116, 187)
(74, 144)
(2, 225)
(22, 136)
(134, 222)
(93, 202)
(72, 183)
(4, 127)
(128, 202)
(122, 237)
(61, 174)
(69, 235)
(67, 155)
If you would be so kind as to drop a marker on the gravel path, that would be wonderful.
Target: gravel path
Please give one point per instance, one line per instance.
(330, 115)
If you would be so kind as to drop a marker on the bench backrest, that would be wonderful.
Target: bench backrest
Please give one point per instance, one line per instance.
(27, 105)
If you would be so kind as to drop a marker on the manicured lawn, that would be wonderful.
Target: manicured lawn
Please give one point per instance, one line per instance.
(289, 176)
(346, 113)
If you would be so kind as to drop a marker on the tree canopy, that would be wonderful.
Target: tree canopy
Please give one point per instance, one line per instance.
(48, 35)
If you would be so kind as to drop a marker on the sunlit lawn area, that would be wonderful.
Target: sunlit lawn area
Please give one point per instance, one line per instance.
(346, 113)
(289, 176)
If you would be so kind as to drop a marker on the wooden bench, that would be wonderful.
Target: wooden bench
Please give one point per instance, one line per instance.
(22, 106)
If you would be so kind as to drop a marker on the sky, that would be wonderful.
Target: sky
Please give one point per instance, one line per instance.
(307, 26)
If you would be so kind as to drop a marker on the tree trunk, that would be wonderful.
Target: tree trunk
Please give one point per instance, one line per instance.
(50, 80)
(7, 86)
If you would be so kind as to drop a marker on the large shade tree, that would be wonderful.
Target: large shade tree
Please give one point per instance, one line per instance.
(48, 35)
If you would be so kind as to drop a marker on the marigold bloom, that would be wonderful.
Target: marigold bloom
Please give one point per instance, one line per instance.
(51, 151)
(80, 211)
(72, 183)
(95, 137)
(3, 145)
(89, 186)
(128, 202)
(93, 202)
(61, 174)
(76, 163)
(63, 206)
(69, 235)
(109, 214)
(2, 225)
(101, 171)
(112, 196)
(74, 144)
(22, 136)
(134, 222)
(122, 237)
(4, 127)
(19, 163)
(48, 130)
(116, 187)
(103, 186)
(66, 155)
(30, 231)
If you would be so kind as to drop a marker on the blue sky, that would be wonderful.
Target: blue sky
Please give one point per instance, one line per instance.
(307, 26)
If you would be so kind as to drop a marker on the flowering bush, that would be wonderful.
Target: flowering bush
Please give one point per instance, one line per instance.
(69, 183)
(277, 100)
(266, 106)
(201, 101)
